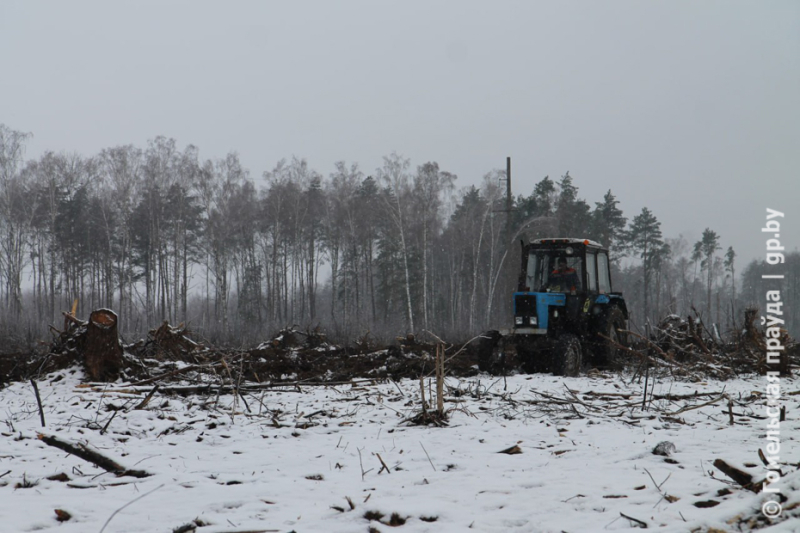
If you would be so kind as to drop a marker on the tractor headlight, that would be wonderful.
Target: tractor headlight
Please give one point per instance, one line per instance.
(533, 321)
(518, 320)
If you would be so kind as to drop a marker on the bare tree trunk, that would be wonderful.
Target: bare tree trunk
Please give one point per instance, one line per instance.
(408, 279)
(370, 280)
(312, 311)
(425, 274)
(710, 278)
(334, 256)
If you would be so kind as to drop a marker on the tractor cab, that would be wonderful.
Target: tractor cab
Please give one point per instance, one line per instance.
(560, 282)
(565, 265)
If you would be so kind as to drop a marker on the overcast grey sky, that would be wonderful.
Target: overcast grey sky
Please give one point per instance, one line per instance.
(689, 108)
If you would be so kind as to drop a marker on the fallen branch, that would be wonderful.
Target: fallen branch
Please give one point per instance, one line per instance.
(71, 318)
(164, 376)
(648, 341)
(739, 476)
(250, 387)
(636, 521)
(101, 461)
(698, 406)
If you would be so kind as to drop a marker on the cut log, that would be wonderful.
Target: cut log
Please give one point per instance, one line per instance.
(102, 350)
(739, 476)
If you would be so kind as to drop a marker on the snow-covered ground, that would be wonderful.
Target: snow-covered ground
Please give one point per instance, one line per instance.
(307, 459)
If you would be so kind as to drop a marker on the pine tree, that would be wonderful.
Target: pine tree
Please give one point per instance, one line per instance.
(573, 213)
(644, 238)
(544, 194)
(730, 257)
(608, 222)
(704, 251)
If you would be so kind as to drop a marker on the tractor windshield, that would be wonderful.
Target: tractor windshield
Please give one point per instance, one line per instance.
(554, 271)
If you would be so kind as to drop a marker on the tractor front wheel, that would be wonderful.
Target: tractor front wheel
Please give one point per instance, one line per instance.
(569, 356)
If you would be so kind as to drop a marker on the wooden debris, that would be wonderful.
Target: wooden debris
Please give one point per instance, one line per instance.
(514, 450)
(172, 342)
(97, 459)
(705, 504)
(739, 476)
(636, 521)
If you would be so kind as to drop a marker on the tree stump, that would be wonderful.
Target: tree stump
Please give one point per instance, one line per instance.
(102, 350)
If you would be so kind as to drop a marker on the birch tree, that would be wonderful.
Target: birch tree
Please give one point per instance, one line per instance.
(394, 175)
(430, 184)
(13, 226)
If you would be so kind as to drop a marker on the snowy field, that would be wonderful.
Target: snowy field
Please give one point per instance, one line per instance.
(310, 459)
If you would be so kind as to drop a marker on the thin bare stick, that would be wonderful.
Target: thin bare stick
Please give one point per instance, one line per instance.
(384, 467)
(38, 400)
(102, 431)
(147, 399)
(658, 487)
(428, 456)
(398, 388)
(361, 463)
(127, 504)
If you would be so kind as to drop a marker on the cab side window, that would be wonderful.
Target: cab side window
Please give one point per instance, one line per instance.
(603, 275)
(591, 272)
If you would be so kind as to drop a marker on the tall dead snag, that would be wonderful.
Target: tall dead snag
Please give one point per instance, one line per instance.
(102, 350)
(440, 380)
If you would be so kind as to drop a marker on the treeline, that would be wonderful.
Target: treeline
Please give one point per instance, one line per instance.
(157, 234)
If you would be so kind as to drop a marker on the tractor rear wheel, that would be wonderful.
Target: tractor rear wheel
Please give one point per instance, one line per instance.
(608, 351)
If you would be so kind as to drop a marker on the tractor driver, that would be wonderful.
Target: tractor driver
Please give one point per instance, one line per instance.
(563, 278)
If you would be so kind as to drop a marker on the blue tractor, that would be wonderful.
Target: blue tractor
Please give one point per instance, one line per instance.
(565, 312)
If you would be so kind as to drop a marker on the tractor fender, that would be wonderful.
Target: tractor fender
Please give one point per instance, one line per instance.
(613, 300)
(619, 301)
